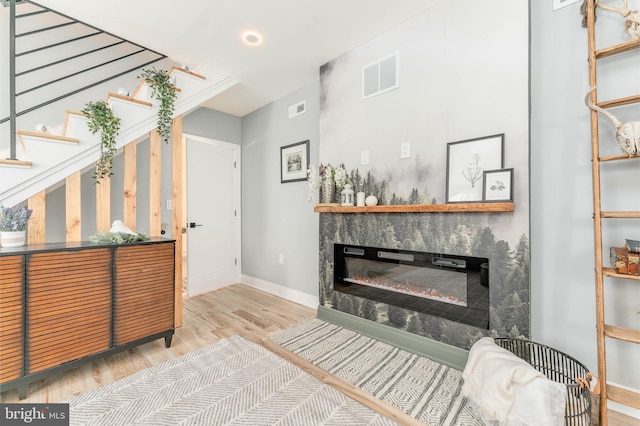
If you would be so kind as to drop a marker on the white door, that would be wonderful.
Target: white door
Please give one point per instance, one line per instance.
(213, 214)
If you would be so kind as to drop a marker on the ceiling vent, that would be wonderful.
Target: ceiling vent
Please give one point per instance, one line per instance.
(297, 109)
(380, 76)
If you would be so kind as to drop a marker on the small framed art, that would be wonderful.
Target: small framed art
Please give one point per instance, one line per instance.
(294, 162)
(497, 185)
(466, 161)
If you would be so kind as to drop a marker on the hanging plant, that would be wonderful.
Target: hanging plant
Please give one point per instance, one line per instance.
(163, 90)
(101, 119)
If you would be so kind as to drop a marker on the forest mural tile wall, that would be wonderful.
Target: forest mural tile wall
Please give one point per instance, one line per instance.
(452, 86)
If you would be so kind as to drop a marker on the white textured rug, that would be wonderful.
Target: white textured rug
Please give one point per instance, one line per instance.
(230, 382)
(424, 389)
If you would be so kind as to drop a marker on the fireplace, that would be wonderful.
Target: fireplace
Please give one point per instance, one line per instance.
(448, 286)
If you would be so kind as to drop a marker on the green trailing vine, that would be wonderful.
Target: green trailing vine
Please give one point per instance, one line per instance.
(162, 89)
(102, 119)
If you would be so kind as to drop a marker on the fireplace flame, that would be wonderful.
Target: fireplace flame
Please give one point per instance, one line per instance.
(406, 288)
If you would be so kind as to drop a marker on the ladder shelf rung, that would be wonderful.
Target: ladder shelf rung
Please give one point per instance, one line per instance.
(623, 396)
(618, 48)
(619, 102)
(618, 157)
(610, 272)
(620, 214)
(622, 333)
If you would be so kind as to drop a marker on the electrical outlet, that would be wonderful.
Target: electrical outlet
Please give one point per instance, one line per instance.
(169, 204)
(281, 259)
(405, 150)
(364, 158)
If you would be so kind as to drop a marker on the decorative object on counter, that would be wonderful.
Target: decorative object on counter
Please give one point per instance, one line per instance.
(497, 185)
(118, 234)
(294, 162)
(330, 180)
(632, 245)
(631, 17)
(466, 162)
(102, 119)
(13, 224)
(163, 90)
(627, 134)
(360, 196)
(346, 196)
(122, 91)
(371, 200)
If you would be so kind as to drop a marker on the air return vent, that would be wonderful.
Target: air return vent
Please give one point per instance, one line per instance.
(380, 76)
(297, 109)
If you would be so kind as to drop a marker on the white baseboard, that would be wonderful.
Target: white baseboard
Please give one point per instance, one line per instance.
(290, 294)
(621, 408)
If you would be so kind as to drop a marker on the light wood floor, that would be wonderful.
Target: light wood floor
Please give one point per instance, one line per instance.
(236, 309)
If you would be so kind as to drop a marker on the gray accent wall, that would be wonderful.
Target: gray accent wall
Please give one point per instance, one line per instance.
(277, 219)
(562, 276)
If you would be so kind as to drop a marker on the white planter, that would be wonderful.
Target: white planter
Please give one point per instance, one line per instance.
(12, 238)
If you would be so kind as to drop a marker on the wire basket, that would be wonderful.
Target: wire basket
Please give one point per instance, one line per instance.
(561, 368)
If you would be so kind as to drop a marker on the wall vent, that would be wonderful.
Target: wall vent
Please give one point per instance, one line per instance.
(297, 109)
(381, 76)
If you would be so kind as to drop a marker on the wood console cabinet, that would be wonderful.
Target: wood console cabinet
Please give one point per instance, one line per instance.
(65, 304)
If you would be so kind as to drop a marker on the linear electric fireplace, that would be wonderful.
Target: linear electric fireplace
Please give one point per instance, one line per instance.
(447, 286)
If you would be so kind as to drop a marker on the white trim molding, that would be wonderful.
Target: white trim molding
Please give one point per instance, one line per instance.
(290, 294)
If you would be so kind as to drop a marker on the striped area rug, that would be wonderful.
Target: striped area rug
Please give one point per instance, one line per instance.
(230, 382)
(424, 389)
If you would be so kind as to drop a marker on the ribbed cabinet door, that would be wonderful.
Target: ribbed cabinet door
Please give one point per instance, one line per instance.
(68, 306)
(11, 317)
(144, 292)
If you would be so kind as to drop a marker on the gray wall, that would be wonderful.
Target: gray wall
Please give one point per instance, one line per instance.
(562, 277)
(276, 217)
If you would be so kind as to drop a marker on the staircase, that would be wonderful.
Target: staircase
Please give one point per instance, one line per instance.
(47, 159)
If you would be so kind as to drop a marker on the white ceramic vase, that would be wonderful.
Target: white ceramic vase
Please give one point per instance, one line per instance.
(12, 238)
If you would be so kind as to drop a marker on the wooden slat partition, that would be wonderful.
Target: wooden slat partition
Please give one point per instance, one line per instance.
(176, 218)
(103, 204)
(155, 184)
(73, 207)
(130, 190)
(11, 317)
(36, 233)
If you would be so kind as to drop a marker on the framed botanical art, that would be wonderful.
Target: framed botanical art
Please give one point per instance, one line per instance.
(294, 162)
(466, 162)
(497, 185)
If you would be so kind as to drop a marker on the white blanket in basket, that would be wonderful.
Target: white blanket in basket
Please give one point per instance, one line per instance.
(509, 391)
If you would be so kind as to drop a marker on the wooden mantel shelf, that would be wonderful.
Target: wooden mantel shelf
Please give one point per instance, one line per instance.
(419, 208)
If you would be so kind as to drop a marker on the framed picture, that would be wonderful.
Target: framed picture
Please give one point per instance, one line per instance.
(294, 162)
(466, 162)
(559, 4)
(498, 185)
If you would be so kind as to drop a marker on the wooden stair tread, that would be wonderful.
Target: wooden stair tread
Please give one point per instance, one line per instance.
(11, 162)
(176, 68)
(47, 136)
(128, 98)
(622, 333)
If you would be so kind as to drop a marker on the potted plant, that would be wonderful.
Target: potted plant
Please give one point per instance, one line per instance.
(163, 90)
(102, 119)
(13, 223)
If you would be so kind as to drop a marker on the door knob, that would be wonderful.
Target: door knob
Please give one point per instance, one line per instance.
(193, 224)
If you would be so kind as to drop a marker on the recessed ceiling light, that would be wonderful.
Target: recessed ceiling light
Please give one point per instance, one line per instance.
(252, 38)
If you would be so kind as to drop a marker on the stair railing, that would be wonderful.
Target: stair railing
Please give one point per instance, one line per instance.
(103, 44)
